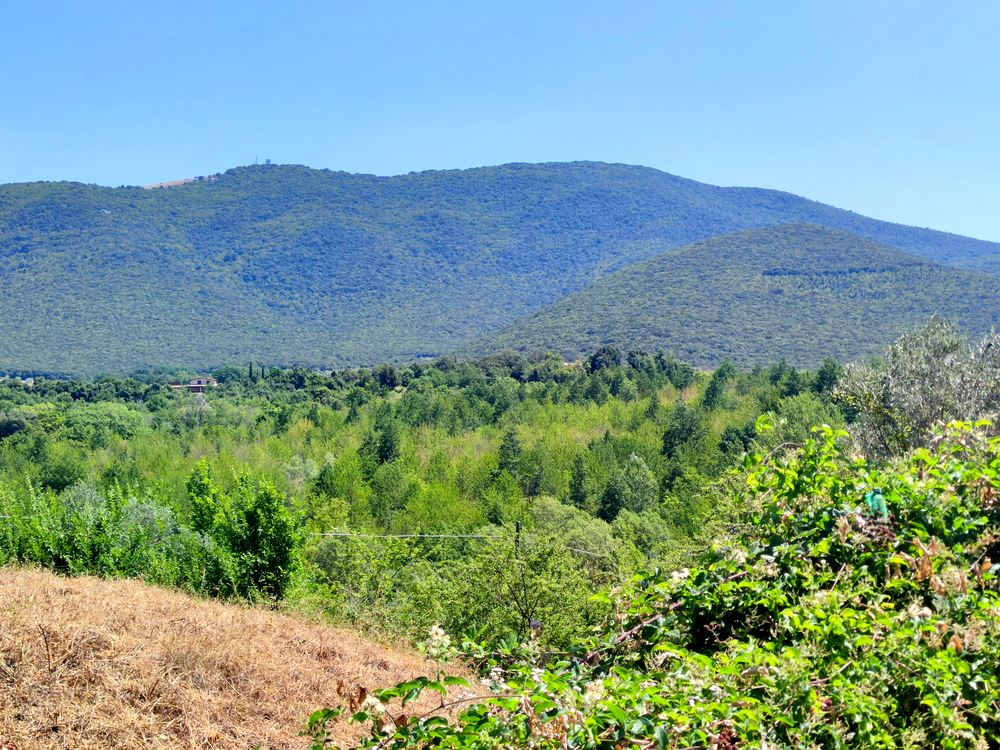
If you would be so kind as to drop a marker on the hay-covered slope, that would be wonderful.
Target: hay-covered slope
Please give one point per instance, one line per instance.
(88, 663)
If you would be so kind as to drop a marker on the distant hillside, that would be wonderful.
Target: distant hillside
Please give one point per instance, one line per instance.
(796, 291)
(292, 265)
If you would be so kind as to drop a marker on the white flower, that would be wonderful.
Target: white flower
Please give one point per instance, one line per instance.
(437, 641)
(437, 637)
(593, 693)
(372, 705)
(495, 681)
(680, 575)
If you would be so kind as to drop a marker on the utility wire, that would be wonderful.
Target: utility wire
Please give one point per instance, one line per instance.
(584, 552)
(434, 536)
(404, 536)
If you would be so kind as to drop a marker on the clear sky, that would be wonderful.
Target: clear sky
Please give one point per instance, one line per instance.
(890, 109)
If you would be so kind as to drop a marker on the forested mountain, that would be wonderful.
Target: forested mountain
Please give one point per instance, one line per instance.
(292, 265)
(796, 291)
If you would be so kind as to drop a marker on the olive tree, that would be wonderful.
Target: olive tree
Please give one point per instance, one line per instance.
(928, 376)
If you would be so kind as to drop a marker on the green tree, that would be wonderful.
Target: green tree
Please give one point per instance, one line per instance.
(203, 497)
(680, 374)
(257, 530)
(827, 376)
(578, 495)
(603, 358)
(505, 591)
(633, 488)
(509, 455)
(737, 440)
(683, 427)
(717, 385)
(392, 489)
(252, 527)
(929, 376)
(387, 448)
(381, 445)
(653, 408)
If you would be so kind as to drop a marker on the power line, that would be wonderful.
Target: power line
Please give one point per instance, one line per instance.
(436, 536)
(584, 552)
(405, 536)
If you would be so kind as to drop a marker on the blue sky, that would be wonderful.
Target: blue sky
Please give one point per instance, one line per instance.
(890, 109)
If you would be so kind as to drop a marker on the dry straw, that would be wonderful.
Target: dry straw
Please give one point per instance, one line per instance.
(88, 663)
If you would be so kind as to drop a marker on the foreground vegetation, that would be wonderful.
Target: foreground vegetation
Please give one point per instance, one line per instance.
(828, 588)
(852, 603)
(823, 624)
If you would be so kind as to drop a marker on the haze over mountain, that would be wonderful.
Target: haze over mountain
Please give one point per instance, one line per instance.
(288, 265)
(795, 291)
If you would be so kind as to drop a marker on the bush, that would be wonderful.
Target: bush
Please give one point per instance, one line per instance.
(823, 626)
(926, 378)
(508, 591)
(251, 524)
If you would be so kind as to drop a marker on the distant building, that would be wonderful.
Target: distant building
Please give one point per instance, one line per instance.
(197, 385)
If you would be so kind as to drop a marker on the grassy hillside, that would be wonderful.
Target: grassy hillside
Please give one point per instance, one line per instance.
(292, 265)
(795, 291)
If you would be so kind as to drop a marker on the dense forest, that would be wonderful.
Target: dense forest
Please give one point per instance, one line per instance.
(371, 493)
(297, 266)
(795, 291)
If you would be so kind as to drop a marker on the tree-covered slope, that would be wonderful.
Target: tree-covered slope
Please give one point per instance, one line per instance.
(293, 265)
(797, 291)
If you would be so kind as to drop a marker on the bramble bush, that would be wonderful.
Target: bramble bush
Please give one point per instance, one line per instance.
(824, 625)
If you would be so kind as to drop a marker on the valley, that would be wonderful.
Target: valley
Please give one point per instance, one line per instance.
(533, 455)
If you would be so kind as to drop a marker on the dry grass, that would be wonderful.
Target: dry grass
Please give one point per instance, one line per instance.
(87, 663)
(171, 183)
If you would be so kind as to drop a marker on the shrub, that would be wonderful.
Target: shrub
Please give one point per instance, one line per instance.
(927, 377)
(251, 524)
(823, 626)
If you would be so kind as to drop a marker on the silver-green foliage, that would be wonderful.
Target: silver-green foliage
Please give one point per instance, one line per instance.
(927, 377)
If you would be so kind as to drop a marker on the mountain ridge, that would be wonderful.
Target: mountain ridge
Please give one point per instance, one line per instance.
(290, 265)
(795, 291)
